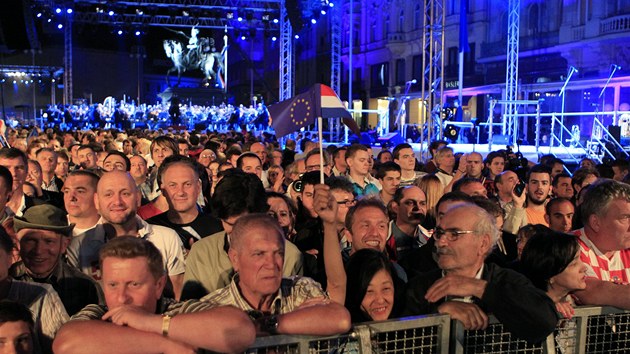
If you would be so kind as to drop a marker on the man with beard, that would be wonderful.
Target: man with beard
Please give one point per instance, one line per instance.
(559, 214)
(536, 194)
(406, 233)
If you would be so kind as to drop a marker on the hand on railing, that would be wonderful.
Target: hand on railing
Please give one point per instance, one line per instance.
(470, 315)
(565, 309)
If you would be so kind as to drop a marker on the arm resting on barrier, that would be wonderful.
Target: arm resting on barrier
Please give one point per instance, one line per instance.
(232, 331)
(604, 293)
(320, 320)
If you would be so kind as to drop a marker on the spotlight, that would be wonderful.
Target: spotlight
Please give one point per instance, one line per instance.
(137, 33)
(120, 32)
(53, 80)
(39, 14)
(313, 21)
(275, 20)
(297, 36)
(58, 10)
(243, 38)
(49, 20)
(14, 82)
(274, 38)
(240, 19)
(331, 4)
(69, 11)
(229, 15)
(265, 17)
(185, 13)
(111, 13)
(60, 26)
(99, 10)
(139, 12)
(323, 12)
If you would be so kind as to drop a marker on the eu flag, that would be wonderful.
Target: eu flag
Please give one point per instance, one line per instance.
(293, 114)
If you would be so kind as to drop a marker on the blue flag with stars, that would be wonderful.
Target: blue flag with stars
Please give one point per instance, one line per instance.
(293, 114)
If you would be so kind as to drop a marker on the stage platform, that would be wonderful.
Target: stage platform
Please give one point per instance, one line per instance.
(569, 155)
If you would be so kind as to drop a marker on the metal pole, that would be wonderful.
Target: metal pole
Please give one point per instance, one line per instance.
(350, 50)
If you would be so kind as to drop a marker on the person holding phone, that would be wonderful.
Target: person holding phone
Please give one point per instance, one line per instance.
(528, 206)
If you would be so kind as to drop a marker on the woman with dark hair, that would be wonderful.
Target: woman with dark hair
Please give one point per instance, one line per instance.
(372, 289)
(551, 260)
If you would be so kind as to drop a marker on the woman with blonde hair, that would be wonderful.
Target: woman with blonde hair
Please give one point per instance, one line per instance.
(433, 190)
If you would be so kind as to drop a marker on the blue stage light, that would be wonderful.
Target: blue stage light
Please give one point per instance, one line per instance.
(120, 32)
(323, 12)
(69, 11)
(137, 33)
(58, 10)
(49, 20)
(274, 38)
(297, 36)
(275, 20)
(331, 4)
(313, 21)
(111, 13)
(60, 26)
(243, 38)
(39, 14)
(240, 19)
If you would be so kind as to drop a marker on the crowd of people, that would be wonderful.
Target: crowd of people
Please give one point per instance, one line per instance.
(148, 240)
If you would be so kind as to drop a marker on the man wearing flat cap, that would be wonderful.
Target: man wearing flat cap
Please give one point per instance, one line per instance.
(44, 234)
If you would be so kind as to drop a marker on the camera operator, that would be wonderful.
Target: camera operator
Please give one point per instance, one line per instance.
(529, 207)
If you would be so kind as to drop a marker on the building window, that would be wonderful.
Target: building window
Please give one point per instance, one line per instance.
(417, 17)
(533, 24)
(401, 21)
(386, 27)
(380, 75)
(400, 72)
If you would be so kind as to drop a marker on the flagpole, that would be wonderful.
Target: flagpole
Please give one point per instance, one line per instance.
(321, 150)
(460, 84)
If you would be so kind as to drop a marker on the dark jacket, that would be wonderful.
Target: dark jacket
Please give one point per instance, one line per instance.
(524, 310)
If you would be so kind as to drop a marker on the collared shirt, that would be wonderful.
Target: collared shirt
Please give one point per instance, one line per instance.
(369, 189)
(165, 306)
(292, 293)
(83, 250)
(615, 269)
(51, 186)
(75, 289)
(404, 243)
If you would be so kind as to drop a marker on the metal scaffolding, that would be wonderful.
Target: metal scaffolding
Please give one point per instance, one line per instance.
(67, 62)
(335, 48)
(511, 72)
(433, 64)
(286, 55)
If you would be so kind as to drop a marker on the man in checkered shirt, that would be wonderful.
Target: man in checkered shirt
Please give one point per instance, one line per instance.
(604, 244)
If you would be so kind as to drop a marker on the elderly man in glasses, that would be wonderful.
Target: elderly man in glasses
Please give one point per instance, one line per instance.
(466, 288)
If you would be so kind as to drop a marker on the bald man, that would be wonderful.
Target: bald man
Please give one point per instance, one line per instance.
(117, 199)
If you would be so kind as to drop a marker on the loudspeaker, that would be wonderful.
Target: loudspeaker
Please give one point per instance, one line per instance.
(501, 139)
(615, 131)
(451, 132)
(390, 139)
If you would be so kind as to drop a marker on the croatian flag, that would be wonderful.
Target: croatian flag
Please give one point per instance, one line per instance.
(331, 105)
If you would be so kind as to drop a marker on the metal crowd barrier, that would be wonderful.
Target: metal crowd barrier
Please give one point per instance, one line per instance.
(591, 330)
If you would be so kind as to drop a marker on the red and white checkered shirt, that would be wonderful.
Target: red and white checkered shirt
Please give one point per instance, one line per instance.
(615, 269)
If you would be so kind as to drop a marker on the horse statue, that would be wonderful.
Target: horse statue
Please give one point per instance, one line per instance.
(199, 56)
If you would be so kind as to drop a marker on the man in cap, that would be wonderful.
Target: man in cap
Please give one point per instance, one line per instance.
(44, 234)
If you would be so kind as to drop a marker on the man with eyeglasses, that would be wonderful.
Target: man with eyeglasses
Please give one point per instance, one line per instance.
(208, 266)
(467, 288)
(405, 232)
(312, 161)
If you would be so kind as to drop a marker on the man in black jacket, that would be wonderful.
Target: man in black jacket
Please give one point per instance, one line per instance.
(466, 288)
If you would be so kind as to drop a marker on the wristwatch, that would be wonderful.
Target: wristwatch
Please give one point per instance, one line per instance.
(270, 324)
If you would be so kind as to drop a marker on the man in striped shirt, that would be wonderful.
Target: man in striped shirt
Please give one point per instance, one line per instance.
(604, 243)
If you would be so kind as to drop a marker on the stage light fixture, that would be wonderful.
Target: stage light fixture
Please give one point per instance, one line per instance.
(39, 14)
(274, 38)
(243, 38)
(275, 20)
(297, 36)
(185, 13)
(229, 15)
(49, 20)
(120, 32)
(313, 21)
(58, 10)
(265, 17)
(111, 13)
(60, 26)
(99, 10)
(69, 11)
(323, 12)
(139, 12)
(331, 4)
(138, 33)
(240, 19)
(14, 82)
